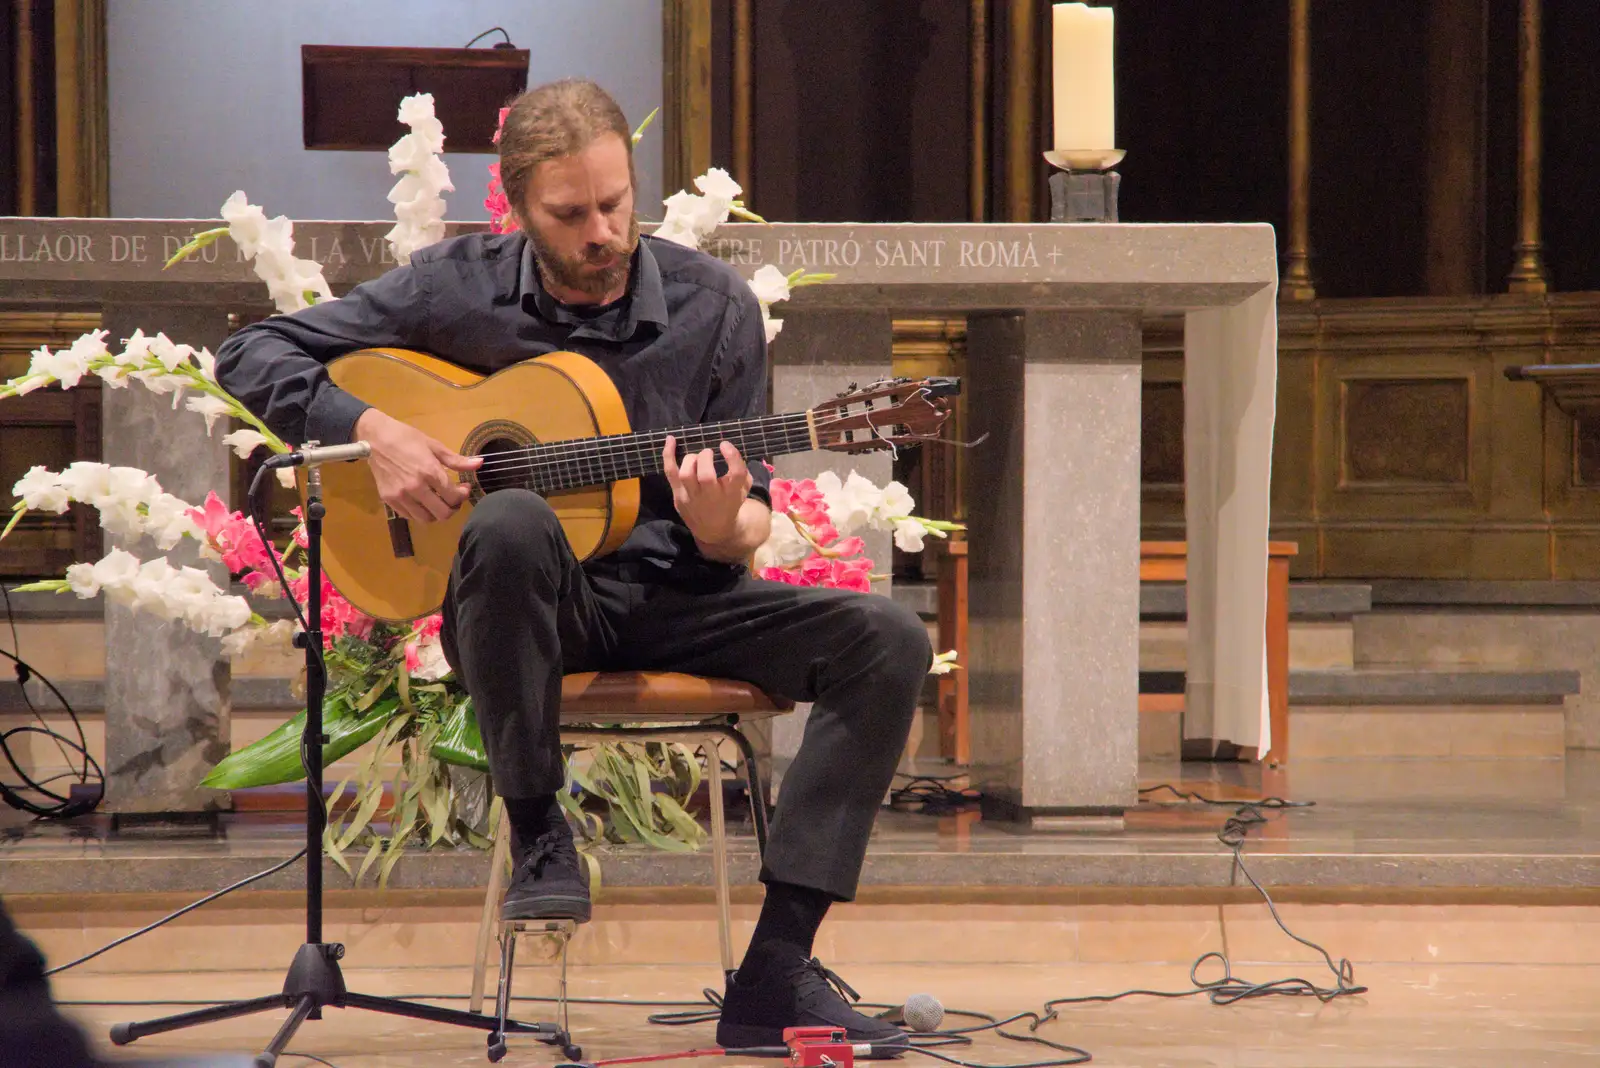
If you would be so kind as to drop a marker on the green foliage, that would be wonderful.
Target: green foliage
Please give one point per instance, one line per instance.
(619, 793)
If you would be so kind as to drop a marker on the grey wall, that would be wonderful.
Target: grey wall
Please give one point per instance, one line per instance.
(205, 96)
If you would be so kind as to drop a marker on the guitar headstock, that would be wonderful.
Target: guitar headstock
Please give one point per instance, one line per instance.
(885, 414)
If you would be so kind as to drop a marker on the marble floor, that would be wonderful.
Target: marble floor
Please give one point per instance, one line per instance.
(1405, 824)
(1412, 1016)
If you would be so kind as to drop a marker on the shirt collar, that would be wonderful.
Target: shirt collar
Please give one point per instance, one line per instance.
(646, 299)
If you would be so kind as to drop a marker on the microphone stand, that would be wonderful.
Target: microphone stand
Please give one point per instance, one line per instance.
(314, 981)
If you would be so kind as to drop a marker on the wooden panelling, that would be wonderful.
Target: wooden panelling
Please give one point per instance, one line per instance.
(1397, 432)
(1161, 437)
(52, 427)
(1402, 451)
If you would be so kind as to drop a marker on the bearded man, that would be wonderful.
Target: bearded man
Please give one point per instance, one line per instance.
(681, 335)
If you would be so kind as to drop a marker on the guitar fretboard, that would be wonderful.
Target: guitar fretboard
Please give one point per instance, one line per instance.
(568, 465)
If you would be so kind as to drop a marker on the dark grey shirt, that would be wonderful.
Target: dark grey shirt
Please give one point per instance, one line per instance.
(684, 345)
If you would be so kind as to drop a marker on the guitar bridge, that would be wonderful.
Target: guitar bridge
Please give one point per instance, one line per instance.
(399, 535)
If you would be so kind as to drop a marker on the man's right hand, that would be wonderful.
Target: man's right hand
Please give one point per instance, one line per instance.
(412, 470)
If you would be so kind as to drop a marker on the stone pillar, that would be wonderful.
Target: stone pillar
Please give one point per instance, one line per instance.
(819, 354)
(1053, 512)
(167, 687)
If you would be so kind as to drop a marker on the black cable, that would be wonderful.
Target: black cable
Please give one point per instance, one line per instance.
(64, 807)
(486, 33)
(309, 1057)
(1230, 988)
(186, 909)
(929, 796)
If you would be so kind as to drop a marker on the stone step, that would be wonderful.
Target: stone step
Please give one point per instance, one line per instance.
(1393, 714)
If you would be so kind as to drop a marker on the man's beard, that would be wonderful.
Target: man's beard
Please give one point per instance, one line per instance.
(577, 273)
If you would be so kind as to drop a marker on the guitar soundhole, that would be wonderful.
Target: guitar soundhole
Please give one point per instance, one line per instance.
(504, 466)
(503, 446)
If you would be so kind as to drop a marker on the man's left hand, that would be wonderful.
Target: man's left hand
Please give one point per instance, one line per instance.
(709, 504)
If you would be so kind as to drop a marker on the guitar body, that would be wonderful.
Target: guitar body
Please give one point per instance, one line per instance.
(397, 571)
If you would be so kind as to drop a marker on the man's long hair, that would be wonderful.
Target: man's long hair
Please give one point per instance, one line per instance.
(554, 120)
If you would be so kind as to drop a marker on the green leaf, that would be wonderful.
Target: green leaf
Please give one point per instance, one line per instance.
(196, 243)
(648, 119)
(459, 741)
(276, 758)
(15, 519)
(739, 211)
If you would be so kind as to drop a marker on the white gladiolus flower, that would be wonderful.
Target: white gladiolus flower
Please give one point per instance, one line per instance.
(908, 535)
(770, 285)
(773, 326)
(67, 366)
(894, 504)
(121, 519)
(168, 521)
(285, 477)
(208, 365)
(211, 408)
(719, 184)
(27, 384)
(784, 547)
(244, 442)
(116, 568)
(86, 481)
(418, 207)
(130, 485)
(850, 504)
(246, 223)
(40, 490)
(943, 663)
(269, 244)
(434, 666)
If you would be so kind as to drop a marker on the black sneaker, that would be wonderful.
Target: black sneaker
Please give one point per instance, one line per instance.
(788, 990)
(547, 878)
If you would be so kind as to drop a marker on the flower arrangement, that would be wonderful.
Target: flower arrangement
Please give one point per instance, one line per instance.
(389, 687)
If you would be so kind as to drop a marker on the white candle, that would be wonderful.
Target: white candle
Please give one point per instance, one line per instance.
(1085, 108)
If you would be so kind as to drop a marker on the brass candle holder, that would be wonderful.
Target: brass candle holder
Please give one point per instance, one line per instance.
(1084, 187)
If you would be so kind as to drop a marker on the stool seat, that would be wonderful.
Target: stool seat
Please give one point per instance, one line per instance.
(660, 695)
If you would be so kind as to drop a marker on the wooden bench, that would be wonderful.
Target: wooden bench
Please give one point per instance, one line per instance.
(1167, 561)
(1159, 561)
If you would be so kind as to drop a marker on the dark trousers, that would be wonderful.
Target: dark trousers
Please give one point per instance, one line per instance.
(521, 612)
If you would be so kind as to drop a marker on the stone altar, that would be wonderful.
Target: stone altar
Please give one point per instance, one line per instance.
(1053, 373)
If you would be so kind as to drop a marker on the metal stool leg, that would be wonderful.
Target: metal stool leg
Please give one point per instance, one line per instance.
(719, 849)
(491, 900)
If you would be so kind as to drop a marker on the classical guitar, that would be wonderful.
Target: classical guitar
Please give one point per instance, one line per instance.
(555, 425)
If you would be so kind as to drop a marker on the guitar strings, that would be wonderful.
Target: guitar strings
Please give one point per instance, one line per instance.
(786, 424)
(585, 449)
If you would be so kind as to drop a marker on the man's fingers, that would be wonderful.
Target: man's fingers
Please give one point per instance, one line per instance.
(669, 463)
(454, 460)
(706, 468)
(737, 471)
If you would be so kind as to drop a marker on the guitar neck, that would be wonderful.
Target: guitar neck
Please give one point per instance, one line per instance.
(570, 465)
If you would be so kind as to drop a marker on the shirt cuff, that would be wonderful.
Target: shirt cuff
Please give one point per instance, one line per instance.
(331, 419)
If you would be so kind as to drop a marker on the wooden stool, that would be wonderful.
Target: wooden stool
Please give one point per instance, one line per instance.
(636, 706)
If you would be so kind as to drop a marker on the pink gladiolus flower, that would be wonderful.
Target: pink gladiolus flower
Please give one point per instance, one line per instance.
(800, 498)
(301, 538)
(232, 535)
(778, 574)
(851, 575)
(846, 547)
(823, 533)
(339, 617)
(816, 570)
(498, 205)
(500, 124)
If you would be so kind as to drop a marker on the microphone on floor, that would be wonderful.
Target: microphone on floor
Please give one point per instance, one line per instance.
(921, 1012)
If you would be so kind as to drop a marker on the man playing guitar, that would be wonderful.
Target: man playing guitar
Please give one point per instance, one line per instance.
(680, 333)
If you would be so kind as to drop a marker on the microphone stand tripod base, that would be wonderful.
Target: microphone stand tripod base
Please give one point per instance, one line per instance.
(314, 981)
